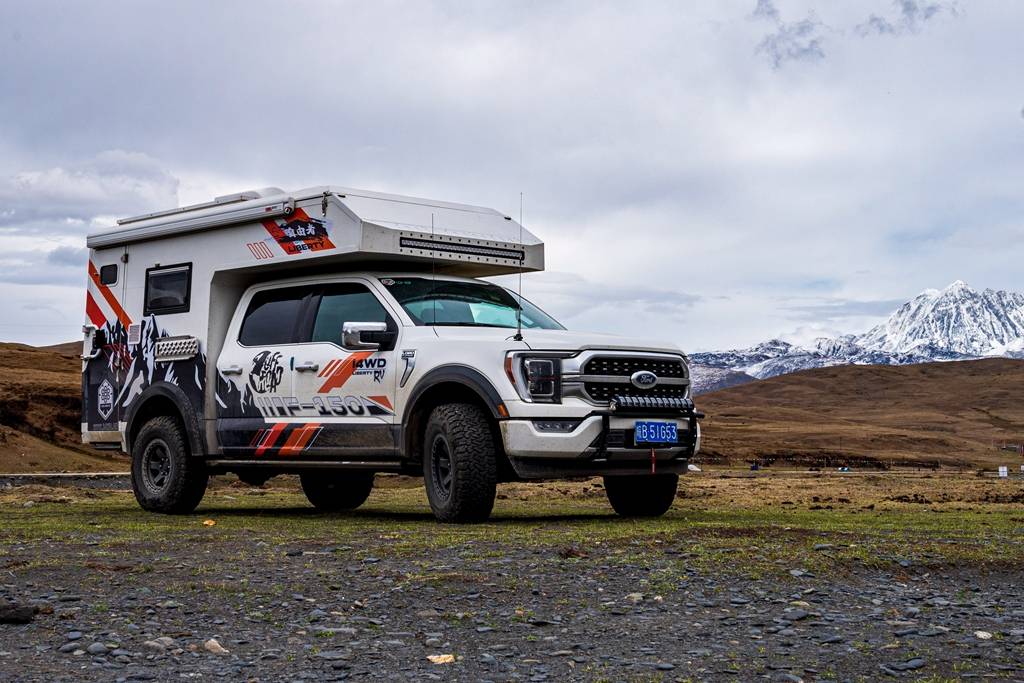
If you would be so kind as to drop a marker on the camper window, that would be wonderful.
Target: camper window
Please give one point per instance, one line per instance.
(168, 289)
(272, 316)
(108, 274)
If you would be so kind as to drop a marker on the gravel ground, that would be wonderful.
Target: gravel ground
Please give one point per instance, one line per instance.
(260, 588)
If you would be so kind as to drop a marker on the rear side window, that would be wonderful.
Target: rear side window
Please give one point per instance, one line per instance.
(168, 289)
(345, 303)
(272, 317)
(108, 274)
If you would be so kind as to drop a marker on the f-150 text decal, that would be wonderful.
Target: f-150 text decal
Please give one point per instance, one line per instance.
(324, 406)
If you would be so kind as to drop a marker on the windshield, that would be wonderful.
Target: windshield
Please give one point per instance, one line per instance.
(470, 304)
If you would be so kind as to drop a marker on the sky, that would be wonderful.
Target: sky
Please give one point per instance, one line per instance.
(712, 174)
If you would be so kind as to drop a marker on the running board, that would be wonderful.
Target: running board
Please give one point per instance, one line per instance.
(288, 465)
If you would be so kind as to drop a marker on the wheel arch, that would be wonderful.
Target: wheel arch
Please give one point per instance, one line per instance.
(447, 384)
(164, 398)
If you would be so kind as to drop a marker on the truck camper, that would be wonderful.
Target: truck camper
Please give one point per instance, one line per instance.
(336, 333)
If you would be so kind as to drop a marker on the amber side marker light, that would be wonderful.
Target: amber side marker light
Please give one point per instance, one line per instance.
(502, 410)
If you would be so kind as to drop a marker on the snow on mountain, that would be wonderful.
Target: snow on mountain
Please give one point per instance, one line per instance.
(957, 319)
(955, 323)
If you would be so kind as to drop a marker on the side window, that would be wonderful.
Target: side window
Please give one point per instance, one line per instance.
(272, 317)
(108, 274)
(168, 289)
(343, 303)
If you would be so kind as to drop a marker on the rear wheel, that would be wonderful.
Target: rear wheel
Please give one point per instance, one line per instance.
(165, 477)
(460, 469)
(643, 495)
(337, 490)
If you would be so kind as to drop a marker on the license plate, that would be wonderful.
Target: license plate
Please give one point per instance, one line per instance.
(654, 432)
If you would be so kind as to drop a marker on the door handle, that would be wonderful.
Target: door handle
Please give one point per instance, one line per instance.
(231, 370)
(307, 367)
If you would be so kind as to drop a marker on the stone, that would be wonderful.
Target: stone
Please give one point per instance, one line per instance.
(213, 647)
(97, 649)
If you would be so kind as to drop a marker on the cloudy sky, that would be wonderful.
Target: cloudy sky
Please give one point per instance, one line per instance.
(710, 173)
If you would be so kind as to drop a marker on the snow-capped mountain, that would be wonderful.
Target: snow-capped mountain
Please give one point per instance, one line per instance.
(956, 323)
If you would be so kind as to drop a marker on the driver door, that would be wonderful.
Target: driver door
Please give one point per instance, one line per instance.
(347, 392)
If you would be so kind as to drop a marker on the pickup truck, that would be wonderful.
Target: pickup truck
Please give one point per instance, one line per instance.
(328, 364)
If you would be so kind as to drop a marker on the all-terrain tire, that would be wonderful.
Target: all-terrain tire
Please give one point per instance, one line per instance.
(460, 468)
(336, 491)
(165, 476)
(642, 495)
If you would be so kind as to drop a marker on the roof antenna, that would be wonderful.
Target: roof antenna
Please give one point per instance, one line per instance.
(433, 274)
(522, 257)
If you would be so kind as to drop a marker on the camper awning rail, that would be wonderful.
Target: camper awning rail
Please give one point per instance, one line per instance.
(175, 222)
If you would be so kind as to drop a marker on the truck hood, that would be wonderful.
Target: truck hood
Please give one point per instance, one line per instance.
(556, 340)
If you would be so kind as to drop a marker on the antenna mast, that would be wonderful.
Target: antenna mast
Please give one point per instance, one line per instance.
(433, 273)
(522, 257)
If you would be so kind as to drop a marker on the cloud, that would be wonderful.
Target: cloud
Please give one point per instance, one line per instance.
(765, 9)
(68, 256)
(836, 309)
(661, 155)
(65, 200)
(799, 41)
(911, 16)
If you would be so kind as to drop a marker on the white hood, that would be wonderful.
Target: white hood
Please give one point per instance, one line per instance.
(556, 340)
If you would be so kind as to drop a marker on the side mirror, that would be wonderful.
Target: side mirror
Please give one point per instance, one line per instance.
(352, 335)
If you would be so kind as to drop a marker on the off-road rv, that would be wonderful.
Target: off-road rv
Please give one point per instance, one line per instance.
(335, 333)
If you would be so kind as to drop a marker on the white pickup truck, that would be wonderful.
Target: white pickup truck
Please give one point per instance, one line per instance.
(347, 334)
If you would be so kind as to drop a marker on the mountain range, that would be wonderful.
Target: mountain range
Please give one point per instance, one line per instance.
(955, 323)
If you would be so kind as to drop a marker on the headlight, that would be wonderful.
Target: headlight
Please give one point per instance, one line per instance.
(536, 377)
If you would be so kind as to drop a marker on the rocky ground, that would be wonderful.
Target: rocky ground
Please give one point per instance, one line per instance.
(813, 578)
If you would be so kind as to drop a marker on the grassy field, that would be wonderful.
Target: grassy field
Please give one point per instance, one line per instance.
(872, 519)
(751, 575)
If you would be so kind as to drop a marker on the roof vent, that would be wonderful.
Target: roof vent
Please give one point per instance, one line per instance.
(247, 195)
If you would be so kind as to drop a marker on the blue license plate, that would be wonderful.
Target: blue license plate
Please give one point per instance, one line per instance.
(654, 432)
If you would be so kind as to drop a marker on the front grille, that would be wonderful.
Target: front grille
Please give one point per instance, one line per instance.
(624, 366)
(600, 391)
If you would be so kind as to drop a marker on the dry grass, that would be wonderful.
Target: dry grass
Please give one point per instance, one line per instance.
(945, 413)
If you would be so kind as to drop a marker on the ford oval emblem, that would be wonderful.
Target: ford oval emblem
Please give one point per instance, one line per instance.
(643, 379)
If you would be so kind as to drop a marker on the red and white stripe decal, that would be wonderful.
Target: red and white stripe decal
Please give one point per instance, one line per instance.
(300, 439)
(270, 437)
(103, 306)
(338, 371)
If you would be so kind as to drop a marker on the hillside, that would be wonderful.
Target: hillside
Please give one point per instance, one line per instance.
(951, 413)
(946, 412)
(40, 413)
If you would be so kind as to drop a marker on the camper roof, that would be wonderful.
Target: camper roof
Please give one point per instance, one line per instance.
(376, 223)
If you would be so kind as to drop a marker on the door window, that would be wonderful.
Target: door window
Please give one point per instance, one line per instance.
(343, 303)
(272, 317)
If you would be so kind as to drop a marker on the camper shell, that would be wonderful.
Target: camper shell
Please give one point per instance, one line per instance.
(170, 294)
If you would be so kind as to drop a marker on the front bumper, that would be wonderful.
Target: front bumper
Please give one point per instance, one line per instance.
(599, 444)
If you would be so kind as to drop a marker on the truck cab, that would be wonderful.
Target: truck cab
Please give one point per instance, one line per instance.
(335, 372)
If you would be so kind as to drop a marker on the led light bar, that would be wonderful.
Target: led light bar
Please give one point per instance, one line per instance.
(656, 402)
(459, 248)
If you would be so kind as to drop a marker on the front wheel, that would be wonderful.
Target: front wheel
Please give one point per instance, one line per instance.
(335, 491)
(641, 495)
(165, 478)
(460, 468)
